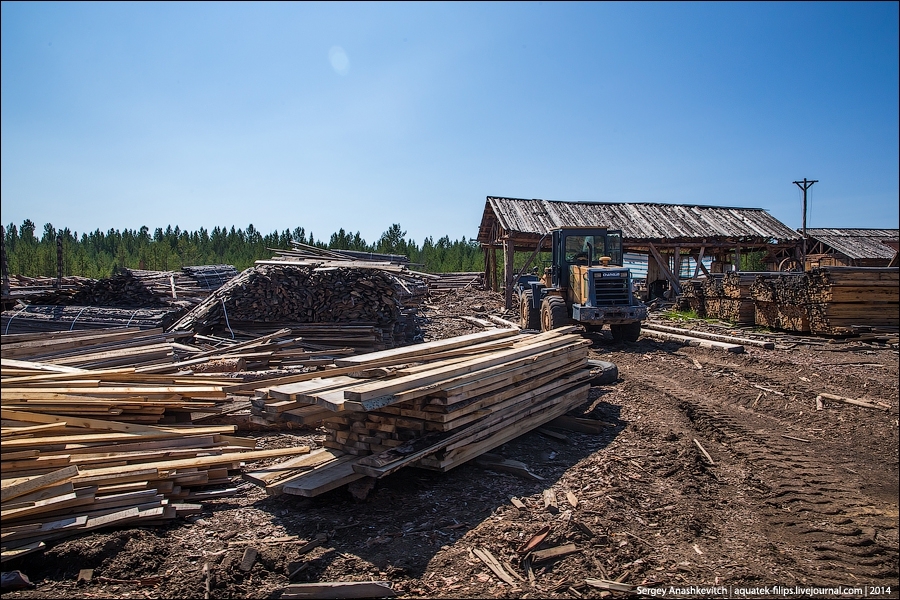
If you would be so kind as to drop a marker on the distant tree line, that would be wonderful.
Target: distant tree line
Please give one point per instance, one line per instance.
(98, 254)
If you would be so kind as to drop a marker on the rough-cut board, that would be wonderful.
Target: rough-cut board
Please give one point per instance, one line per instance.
(324, 479)
(336, 590)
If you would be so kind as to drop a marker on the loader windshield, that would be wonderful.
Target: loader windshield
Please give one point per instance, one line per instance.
(584, 249)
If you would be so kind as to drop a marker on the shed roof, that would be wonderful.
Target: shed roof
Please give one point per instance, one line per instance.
(637, 220)
(857, 243)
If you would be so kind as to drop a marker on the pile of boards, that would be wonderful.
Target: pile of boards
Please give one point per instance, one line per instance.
(829, 300)
(84, 448)
(42, 318)
(454, 281)
(433, 405)
(297, 294)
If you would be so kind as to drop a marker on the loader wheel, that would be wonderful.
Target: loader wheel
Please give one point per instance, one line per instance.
(626, 333)
(529, 316)
(553, 313)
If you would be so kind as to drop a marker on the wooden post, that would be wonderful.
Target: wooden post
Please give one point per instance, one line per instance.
(3, 264)
(737, 257)
(676, 263)
(699, 262)
(509, 251)
(59, 261)
(664, 268)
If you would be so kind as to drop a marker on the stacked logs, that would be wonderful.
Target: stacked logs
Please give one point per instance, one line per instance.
(829, 300)
(780, 302)
(288, 294)
(737, 305)
(713, 294)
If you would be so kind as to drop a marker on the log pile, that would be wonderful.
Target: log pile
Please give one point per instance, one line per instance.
(293, 295)
(737, 305)
(122, 290)
(462, 397)
(829, 300)
(713, 294)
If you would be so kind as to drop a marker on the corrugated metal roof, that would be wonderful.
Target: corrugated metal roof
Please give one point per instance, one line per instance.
(637, 220)
(857, 243)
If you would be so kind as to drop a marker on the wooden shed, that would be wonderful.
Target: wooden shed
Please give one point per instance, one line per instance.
(668, 233)
(851, 247)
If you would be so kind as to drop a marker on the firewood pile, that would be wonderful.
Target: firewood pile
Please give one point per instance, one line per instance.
(829, 300)
(433, 405)
(692, 297)
(288, 294)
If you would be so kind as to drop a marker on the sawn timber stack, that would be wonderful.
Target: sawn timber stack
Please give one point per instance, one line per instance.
(463, 396)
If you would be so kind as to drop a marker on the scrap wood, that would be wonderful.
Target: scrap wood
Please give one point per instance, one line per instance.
(332, 590)
(865, 404)
(768, 345)
(498, 463)
(553, 553)
(534, 541)
(693, 341)
(493, 564)
(704, 452)
(605, 584)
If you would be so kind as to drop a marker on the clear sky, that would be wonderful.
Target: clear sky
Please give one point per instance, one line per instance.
(357, 116)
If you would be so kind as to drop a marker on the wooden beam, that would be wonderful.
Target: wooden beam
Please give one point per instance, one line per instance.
(700, 262)
(673, 281)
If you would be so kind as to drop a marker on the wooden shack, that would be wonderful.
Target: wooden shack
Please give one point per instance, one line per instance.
(851, 247)
(671, 235)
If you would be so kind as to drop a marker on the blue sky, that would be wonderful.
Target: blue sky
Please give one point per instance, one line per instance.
(357, 116)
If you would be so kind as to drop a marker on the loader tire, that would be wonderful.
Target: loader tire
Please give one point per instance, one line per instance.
(529, 316)
(553, 313)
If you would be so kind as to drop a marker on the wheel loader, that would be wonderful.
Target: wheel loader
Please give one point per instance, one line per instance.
(584, 284)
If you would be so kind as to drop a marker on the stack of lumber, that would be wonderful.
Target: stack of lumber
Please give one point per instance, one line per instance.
(93, 348)
(454, 281)
(121, 290)
(22, 287)
(34, 318)
(842, 298)
(64, 476)
(141, 288)
(293, 294)
(461, 397)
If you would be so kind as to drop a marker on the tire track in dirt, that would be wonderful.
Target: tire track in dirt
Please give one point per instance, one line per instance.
(820, 518)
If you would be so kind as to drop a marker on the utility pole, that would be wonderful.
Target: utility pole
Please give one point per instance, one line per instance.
(804, 185)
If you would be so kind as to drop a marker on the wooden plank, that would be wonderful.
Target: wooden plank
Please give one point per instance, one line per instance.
(11, 488)
(417, 351)
(335, 590)
(267, 475)
(324, 479)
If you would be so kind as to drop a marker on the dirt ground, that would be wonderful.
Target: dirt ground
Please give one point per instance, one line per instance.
(794, 496)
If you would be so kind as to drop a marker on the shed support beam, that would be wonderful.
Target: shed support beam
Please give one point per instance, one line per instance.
(700, 263)
(509, 251)
(664, 268)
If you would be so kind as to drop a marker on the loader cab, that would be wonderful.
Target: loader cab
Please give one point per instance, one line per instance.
(584, 246)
